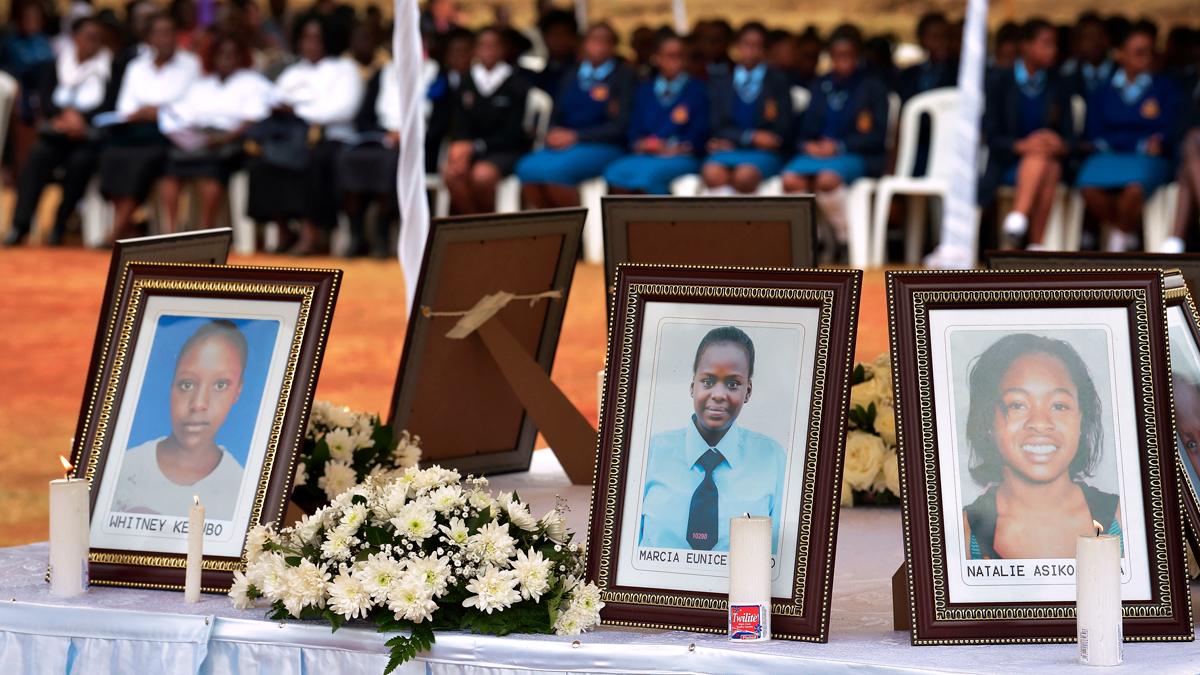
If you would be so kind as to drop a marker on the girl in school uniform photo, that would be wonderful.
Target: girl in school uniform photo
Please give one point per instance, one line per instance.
(1029, 132)
(315, 101)
(1130, 128)
(752, 119)
(668, 127)
(488, 136)
(843, 134)
(72, 91)
(136, 151)
(710, 470)
(207, 129)
(588, 126)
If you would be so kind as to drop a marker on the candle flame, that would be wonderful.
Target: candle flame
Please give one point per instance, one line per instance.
(196, 500)
(67, 467)
(1098, 526)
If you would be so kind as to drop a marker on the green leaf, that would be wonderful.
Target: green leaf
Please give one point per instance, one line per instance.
(860, 375)
(293, 560)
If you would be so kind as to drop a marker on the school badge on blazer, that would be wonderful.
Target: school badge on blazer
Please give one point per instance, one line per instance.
(865, 122)
(680, 114)
(600, 93)
(1151, 109)
(770, 110)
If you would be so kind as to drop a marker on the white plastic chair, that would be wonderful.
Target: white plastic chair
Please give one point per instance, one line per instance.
(940, 105)
(95, 216)
(590, 193)
(860, 193)
(537, 122)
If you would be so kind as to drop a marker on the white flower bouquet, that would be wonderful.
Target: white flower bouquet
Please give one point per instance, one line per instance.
(341, 448)
(872, 471)
(420, 552)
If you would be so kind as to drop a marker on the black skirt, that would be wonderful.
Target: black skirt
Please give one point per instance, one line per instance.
(216, 164)
(132, 160)
(368, 169)
(505, 162)
(278, 193)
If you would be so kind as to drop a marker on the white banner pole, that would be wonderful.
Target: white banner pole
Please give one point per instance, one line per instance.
(408, 52)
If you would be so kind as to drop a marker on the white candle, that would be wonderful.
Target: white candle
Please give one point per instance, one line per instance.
(195, 551)
(750, 578)
(1098, 599)
(599, 389)
(68, 535)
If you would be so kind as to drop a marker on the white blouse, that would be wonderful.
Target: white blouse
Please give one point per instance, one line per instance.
(328, 93)
(142, 487)
(82, 86)
(214, 104)
(146, 84)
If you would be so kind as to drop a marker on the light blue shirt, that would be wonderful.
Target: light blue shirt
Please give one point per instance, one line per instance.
(750, 480)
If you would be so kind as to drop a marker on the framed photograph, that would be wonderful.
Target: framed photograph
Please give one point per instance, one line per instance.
(451, 392)
(727, 390)
(1029, 409)
(212, 376)
(204, 247)
(1183, 327)
(727, 230)
(1187, 263)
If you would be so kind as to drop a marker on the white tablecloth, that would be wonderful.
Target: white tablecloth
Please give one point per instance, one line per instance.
(111, 630)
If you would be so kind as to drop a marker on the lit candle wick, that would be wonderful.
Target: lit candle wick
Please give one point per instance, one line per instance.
(196, 500)
(1098, 526)
(67, 467)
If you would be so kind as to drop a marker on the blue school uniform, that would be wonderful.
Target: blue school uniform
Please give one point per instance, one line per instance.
(748, 478)
(676, 112)
(752, 100)
(852, 112)
(593, 101)
(1019, 103)
(1121, 118)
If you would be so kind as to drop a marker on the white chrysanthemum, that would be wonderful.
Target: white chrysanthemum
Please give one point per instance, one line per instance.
(580, 609)
(336, 545)
(353, 518)
(378, 574)
(446, 499)
(519, 515)
(393, 497)
(341, 445)
(382, 474)
(457, 532)
(270, 575)
(408, 450)
(427, 479)
(346, 499)
(480, 500)
(555, 526)
(493, 589)
(308, 529)
(362, 434)
(320, 412)
(533, 573)
(587, 596)
(348, 597)
(410, 599)
(492, 543)
(433, 570)
(341, 417)
(568, 623)
(301, 475)
(240, 591)
(256, 538)
(415, 521)
(339, 477)
(305, 587)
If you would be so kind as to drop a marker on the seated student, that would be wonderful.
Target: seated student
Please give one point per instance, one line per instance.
(23, 54)
(1006, 49)
(641, 43)
(136, 150)
(322, 92)
(207, 128)
(713, 38)
(1189, 171)
(72, 91)
(1130, 124)
(458, 48)
(1029, 131)
(1089, 65)
(752, 118)
(560, 33)
(842, 135)
(668, 126)
(587, 128)
(488, 136)
(940, 68)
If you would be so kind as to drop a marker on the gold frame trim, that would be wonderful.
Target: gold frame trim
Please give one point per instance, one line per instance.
(301, 292)
(620, 419)
(1187, 487)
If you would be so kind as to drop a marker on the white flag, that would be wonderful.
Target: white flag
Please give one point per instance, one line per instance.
(410, 181)
(679, 12)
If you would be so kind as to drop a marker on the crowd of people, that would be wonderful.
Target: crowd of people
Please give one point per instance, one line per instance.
(308, 105)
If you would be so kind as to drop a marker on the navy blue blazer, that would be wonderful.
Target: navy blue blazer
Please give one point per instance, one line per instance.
(600, 115)
(773, 110)
(909, 84)
(864, 131)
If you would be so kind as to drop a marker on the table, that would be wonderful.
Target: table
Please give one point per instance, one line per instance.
(112, 630)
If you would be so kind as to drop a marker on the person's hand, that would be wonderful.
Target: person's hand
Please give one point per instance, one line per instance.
(392, 139)
(216, 140)
(650, 145)
(70, 123)
(284, 109)
(144, 114)
(812, 148)
(719, 145)
(1154, 145)
(560, 138)
(460, 153)
(765, 140)
(675, 150)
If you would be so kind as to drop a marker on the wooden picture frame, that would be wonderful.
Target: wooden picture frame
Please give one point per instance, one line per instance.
(175, 389)
(202, 247)
(1187, 263)
(452, 392)
(956, 340)
(1183, 328)
(802, 325)
(745, 231)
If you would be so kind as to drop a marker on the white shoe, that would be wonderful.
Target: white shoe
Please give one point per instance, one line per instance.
(1118, 241)
(1016, 224)
(949, 257)
(1037, 247)
(1172, 245)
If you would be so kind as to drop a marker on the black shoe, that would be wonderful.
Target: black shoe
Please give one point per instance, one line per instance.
(56, 238)
(14, 238)
(356, 248)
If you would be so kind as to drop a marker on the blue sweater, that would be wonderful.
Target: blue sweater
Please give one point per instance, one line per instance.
(684, 120)
(1116, 126)
(601, 113)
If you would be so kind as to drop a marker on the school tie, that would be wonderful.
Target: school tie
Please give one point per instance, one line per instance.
(702, 519)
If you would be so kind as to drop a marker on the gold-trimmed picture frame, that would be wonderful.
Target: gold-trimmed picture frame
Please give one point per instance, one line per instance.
(201, 357)
(1083, 357)
(668, 395)
(1183, 328)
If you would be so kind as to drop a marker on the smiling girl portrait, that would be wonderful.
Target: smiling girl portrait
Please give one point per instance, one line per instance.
(1034, 427)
